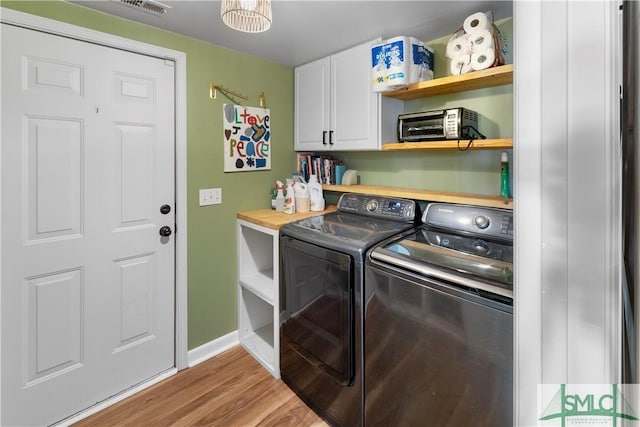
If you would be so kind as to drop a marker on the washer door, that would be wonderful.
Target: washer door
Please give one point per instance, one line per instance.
(467, 261)
(317, 322)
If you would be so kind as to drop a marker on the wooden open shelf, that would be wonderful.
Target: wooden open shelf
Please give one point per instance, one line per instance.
(478, 144)
(491, 77)
(427, 195)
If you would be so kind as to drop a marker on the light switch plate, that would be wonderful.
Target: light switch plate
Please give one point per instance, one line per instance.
(210, 196)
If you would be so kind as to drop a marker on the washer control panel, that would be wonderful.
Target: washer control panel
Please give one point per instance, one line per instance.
(477, 220)
(379, 207)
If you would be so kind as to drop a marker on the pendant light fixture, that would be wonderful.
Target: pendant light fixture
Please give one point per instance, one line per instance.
(249, 16)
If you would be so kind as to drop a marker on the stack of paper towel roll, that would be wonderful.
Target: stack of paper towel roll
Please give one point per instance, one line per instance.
(474, 47)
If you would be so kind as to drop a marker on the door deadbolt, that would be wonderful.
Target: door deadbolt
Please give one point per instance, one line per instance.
(165, 209)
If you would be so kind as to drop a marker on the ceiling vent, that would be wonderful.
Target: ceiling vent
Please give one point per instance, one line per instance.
(149, 6)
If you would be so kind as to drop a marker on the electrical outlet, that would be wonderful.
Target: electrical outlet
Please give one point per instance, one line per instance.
(217, 196)
(210, 196)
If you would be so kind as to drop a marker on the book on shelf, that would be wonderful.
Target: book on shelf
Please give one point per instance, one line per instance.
(321, 165)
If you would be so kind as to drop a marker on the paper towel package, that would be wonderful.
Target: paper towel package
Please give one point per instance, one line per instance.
(400, 61)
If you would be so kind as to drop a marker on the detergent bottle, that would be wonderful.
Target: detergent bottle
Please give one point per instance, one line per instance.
(289, 199)
(315, 194)
(302, 197)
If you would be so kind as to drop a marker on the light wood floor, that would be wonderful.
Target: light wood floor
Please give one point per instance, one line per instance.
(230, 390)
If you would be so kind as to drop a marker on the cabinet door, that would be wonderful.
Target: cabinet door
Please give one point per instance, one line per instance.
(354, 105)
(312, 106)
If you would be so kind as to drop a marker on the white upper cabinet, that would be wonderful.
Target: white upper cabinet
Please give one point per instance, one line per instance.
(312, 105)
(335, 106)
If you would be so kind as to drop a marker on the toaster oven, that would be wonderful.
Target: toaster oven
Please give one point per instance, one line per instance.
(451, 123)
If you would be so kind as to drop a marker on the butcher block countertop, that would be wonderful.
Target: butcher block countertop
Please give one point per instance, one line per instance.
(269, 218)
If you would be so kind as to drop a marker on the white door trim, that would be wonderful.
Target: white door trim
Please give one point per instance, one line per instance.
(25, 20)
(547, 131)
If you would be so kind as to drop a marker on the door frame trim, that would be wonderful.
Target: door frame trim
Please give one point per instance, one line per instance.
(25, 20)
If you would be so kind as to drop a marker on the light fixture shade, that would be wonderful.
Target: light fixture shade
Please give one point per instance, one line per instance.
(249, 16)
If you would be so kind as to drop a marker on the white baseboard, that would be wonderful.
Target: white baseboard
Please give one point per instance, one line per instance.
(212, 348)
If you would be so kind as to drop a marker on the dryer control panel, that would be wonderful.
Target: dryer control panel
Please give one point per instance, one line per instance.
(476, 220)
(378, 207)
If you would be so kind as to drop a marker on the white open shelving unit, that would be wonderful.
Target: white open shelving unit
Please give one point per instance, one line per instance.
(258, 293)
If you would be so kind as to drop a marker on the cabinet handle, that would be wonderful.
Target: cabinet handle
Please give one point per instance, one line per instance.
(324, 137)
(330, 137)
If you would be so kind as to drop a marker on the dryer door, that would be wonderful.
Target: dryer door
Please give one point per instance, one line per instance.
(317, 322)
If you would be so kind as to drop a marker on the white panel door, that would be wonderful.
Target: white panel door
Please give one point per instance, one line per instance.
(87, 280)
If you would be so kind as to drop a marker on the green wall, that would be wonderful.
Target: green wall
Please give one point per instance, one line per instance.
(476, 172)
(212, 303)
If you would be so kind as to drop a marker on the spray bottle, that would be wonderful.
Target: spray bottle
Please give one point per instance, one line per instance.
(504, 175)
(290, 199)
(279, 197)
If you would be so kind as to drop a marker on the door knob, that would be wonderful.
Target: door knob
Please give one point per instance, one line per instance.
(165, 231)
(165, 209)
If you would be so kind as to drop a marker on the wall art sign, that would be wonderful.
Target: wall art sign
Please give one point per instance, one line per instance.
(247, 138)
